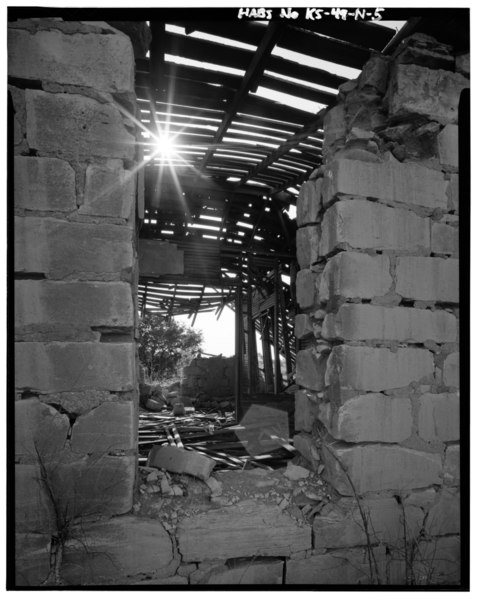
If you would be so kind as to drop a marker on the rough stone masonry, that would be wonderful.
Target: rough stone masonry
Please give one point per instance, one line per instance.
(378, 407)
(73, 102)
(379, 294)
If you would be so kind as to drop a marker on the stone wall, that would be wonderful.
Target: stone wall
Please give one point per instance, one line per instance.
(378, 288)
(214, 376)
(72, 98)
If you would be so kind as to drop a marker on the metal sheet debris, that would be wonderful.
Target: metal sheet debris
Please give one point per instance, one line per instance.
(218, 435)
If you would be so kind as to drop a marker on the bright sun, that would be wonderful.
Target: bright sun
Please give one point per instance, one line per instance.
(165, 146)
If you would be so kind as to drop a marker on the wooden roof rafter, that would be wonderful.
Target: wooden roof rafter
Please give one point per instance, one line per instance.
(248, 83)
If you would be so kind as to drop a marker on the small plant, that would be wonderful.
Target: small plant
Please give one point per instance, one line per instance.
(419, 566)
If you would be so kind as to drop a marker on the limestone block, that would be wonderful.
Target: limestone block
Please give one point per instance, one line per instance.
(78, 402)
(422, 499)
(428, 279)
(375, 73)
(34, 511)
(109, 190)
(118, 548)
(160, 258)
(308, 203)
(256, 529)
(103, 62)
(306, 447)
(438, 417)
(44, 303)
(424, 50)
(343, 526)
(310, 369)
(432, 93)
(357, 322)
(61, 249)
(40, 431)
(452, 464)
(186, 569)
(170, 580)
(372, 417)
(306, 290)
(303, 326)
(439, 561)
(448, 145)
(45, 184)
(334, 125)
(444, 516)
(75, 127)
(306, 411)
(452, 370)
(350, 567)
(444, 239)
(54, 367)
(377, 369)
(361, 224)
(177, 459)
(109, 427)
(307, 245)
(378, 467)
(247, 572)
(352, 275)
(453, 194)
(462, 64)
(32, 559)
(93, 485)
(389, 181)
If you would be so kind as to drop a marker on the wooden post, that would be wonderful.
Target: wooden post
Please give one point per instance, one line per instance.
(267, 355)
(251, 340)
(276, 340)
(238, 350)
(286, 343)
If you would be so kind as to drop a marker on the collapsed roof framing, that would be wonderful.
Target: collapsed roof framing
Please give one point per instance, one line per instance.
(239, 157)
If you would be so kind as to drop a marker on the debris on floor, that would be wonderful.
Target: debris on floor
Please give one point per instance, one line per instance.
(174, 496)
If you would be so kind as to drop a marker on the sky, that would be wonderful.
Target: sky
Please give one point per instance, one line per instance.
(219, 335)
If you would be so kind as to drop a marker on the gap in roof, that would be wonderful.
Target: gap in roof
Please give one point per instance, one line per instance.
(396, 25)
(310, 84)
(202, 65)
(317, 63)
(288, 100)
(211, 38)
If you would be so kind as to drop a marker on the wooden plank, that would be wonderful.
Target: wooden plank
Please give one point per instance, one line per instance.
(318, 46)
(276, 340)
(157, 49)
(372, 35)
(238, 352)
(248, 32)
(248, 83)
(266, 352)
(295, 89)
(313, 124)
(290, 68)
(206, 51)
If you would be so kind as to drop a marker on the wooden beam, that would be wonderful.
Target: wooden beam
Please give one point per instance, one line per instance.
(267, 356)
(276, 341)
(324, 48)
(249, 83)
(315, 123)
(372, 35)
(238, 351)
(286, 342)
(297, 89)
(298, 180)
(157, 49)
